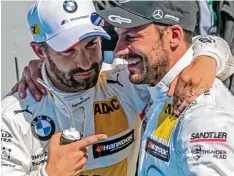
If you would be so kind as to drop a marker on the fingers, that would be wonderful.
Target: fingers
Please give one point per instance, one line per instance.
(181, 83)
(14, 89)
(181, 107)
(172, 87)
(22, 85)
(30, 83)
(89, 141)
(35, 73)
(81, 164)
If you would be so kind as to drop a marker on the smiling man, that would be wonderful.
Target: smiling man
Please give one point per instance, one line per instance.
(98, 104)
(155, 38)
(98, 101)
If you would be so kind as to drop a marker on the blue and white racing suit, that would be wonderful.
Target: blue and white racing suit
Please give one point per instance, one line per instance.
(198, 142)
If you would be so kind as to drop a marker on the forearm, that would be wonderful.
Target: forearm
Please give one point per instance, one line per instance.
(217, 48)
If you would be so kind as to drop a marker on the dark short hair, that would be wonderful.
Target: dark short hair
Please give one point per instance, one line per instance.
(43, 45)
(188, 35)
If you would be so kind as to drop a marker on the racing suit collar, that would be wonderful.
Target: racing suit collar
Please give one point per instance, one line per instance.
(159, 91)
(73, 100)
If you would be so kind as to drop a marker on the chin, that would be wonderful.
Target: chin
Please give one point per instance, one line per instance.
(137, 78)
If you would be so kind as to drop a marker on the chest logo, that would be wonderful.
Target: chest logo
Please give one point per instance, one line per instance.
(114, 82)
(43, 127)
(113, 146)
(109, 117)
(158, 144)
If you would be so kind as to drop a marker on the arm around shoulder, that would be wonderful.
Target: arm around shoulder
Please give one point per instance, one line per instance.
(217, 48)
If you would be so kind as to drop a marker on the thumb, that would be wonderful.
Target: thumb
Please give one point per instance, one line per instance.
(55, 139)
(172, 86)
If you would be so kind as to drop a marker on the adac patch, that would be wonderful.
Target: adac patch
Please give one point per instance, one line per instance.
(43, 127)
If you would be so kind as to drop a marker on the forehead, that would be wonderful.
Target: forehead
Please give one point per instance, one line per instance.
(83, 42)
(138, 29)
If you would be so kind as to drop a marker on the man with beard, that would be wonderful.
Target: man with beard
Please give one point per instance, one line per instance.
(155, 40)
(107, 104)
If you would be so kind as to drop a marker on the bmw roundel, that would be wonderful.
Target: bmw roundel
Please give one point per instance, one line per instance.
(43, 127)
(70, 6)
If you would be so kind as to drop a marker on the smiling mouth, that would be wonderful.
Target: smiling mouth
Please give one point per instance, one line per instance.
(134, 63)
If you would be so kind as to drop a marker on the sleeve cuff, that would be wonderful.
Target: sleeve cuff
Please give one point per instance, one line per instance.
(43, 171)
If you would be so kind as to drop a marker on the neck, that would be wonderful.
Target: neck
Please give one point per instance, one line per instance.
(177, 54)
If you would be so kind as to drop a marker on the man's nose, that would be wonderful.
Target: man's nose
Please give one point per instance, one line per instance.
(83, 60)
(121, 49)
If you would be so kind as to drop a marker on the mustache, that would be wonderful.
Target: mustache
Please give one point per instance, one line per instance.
(80, 70)
(131, 56)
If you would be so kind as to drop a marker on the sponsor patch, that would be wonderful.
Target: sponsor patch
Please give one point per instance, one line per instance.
(158, 14)
(208, 137)
(43, 127)
(23, 110)
(82, 100)
(166, 122)
(7, 165)
(70, 6)
(171, 17)
(157, 149)
(113, 146)
(6, 153)
(35, 29)
(39, 159)
(6, 137)
(109, 117)
(207, 92)
(119, 19)
(158, 145)
(37, 163)
(206, 40)
(97, 20)
(114, 81)
(199, 151)
(65, 21)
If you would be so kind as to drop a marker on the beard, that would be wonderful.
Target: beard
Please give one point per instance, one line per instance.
(154, 66)
(67, 79)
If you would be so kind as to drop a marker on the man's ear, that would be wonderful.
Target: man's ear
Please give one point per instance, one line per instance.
(38, 50)
(177, 36)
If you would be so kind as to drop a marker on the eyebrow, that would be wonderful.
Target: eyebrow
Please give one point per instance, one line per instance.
(123, 33)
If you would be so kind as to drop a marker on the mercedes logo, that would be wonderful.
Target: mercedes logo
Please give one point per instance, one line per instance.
(70, 6)
(158, 14)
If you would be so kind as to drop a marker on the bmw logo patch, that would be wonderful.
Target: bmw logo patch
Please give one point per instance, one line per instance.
(43, 127)
(70, 6)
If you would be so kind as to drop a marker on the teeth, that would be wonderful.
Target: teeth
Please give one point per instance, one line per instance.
(134, 61)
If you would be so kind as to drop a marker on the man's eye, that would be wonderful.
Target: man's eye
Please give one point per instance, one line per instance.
(130, 38)
(68, 52)
(91, 44)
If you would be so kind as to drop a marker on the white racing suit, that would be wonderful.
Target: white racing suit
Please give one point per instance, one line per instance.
(197, 143)
(111, 107)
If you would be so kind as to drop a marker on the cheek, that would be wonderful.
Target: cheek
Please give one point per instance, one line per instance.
(96, 54)
(62, 63)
